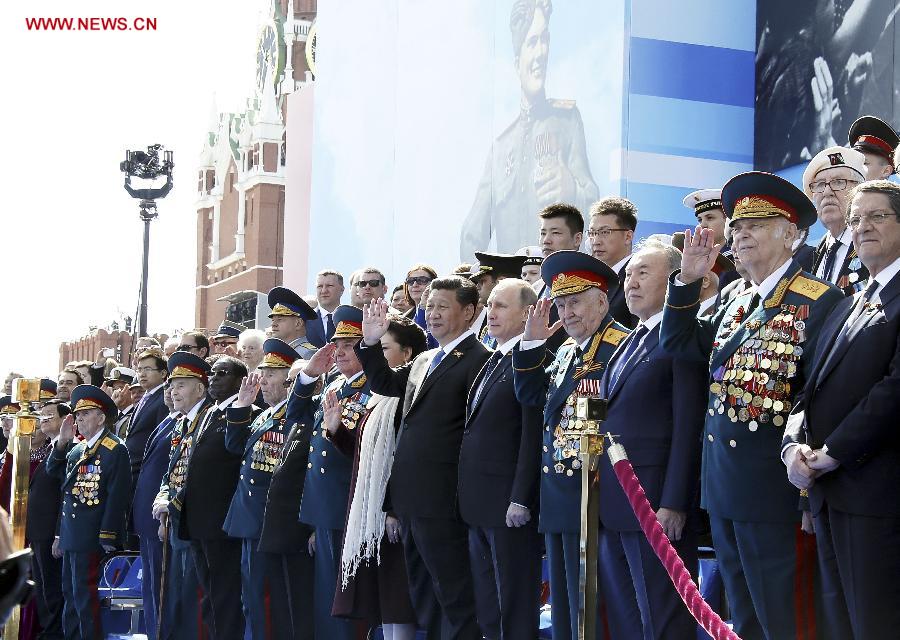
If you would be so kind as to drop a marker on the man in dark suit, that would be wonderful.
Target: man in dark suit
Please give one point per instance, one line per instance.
(150, 410)
(579, 285)
(498, 479)
(611, 234)
(95, 486)
(827, 181)
(840, 442)
(329, 289)
(655, 405)
(155, 461)
(757, 349)
(424, 477)
(210, 482)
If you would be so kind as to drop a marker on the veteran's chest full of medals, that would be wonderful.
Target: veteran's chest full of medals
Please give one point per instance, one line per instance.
(566, 442)
(86, 488)
(266, 451)
(756, 384)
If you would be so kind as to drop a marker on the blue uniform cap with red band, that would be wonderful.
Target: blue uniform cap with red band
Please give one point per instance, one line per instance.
(87, 396)
(278, 354)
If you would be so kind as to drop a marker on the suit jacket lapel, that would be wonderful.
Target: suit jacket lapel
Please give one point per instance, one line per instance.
(448, 362)
(502, 366)
(651, 341)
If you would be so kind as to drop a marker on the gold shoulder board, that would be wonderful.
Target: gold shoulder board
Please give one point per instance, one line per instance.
(613, 336)
(109, 443)
(812, 289)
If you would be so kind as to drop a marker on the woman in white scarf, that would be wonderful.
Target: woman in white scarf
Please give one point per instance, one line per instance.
(373, 583)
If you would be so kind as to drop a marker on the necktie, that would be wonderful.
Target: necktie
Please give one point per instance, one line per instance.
(329, 327)
(851, 325)
(634, 340)
(435, 361)
(492, 363)
(830, 257)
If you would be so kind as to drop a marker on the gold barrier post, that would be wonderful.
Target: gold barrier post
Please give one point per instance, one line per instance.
(590, 412)
(25, 391)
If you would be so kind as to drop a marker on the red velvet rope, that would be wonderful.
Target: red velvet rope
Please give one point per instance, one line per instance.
(679, 574)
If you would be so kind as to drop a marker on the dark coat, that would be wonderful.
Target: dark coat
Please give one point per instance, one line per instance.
(142, 425)
(425, 473)
(156, 461)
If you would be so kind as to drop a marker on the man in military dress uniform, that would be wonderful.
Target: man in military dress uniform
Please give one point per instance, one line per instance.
(579, 287)
(289, 316)
(226, 338)
(326, 491)
(827, 181)
(209, 485)
(259, 441)
(877, 141)
(188, 381)
(758, 348)
(96, 486)
(540, 159)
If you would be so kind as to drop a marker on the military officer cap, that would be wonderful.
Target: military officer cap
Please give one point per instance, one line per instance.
(183, 364)
(722, 264)
(875, 136)
(499, 265)
(570, 272)
(229, 329)
(278, 354)
(347, 322)
(284, 302)
(7, 406)
(533, 255)
(702, 200)
(124, 374)
(758, 195)
(464, 270)
(48, 389)
(833, 157)
(87, 396)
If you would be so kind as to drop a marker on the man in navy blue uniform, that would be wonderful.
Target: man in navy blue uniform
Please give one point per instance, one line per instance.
(187, 382)
(155, 462)
(758, 349)
(655, 406)
(841, 443)
(259, 442)
(326, 489)
(211, 478)
(96, 485)
(578, 286)
(289, 316)
(498, 478)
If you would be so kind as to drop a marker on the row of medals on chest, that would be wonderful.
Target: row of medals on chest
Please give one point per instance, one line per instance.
(87, 483)
(566, 439)
(267, 450)
(753, 386)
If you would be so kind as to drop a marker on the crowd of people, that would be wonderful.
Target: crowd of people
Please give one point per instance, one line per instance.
(405, 460)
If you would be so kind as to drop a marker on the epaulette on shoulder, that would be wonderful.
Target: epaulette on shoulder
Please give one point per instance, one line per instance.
(614, 336)
(809, 287)
(310, 346)
(109, 443)
(561, 104)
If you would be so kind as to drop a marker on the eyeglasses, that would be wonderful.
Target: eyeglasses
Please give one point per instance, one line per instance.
(146, 369)
(418, 280)
(875, 218)
(218, 373)
(838, 184)
(604, 233)
(368, 283)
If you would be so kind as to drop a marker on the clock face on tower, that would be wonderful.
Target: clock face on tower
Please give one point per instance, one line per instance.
(267, 56)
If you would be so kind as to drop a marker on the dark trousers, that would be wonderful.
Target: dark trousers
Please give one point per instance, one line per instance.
(255, 590)
(327, 565)
(860, 561)
(443, 544)
(421, 589)
(181, 610)
(641, 601)
(47, 573)
(563, 559)
(506, 572)
(151, 569)
(81, 606)
(292, 578)
(759, 565)
(218, 566)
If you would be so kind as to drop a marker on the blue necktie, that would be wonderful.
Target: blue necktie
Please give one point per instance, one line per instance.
(329, 331)
(488, 372)
(619, 367)
(435, 361)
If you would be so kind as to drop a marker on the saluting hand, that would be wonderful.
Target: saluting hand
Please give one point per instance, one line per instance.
(248, 391)
(321, 361)
(537, 322)
(375, 323)
(699, 255)
(66, 430)
(331, 412)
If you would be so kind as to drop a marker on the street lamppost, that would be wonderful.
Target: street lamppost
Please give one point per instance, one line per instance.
(147, 166)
